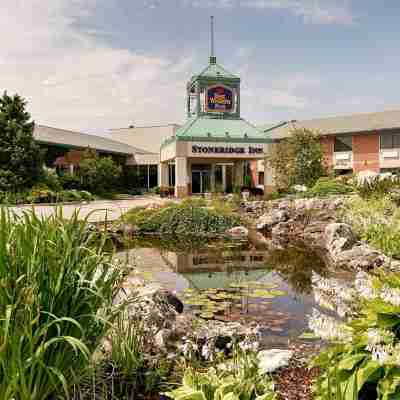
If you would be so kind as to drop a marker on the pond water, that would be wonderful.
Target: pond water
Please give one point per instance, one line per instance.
(234, 281)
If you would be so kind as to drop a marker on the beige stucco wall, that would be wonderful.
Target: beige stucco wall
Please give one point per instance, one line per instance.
(147, 137)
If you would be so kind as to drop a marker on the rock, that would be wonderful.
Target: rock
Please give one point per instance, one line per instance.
(163, 295)
(339, 237)
(238, 232)
(299, 188)
(284, 205)
(361, 256)
(124, 229)
(281, 230)
(271, 360)
(267, 221)
(165, 339)
(366, 177)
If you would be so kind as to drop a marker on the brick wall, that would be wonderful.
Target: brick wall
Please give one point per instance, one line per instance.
(327, 143)
(366, 152)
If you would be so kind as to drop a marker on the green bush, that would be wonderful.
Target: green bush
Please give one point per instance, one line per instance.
(41, 194)
(50, 179)
(377, 187)
(326, 187)
(99, 175)
(85, 195)
(69, 181)
(376, 221)
(56, 292)
(189, 218)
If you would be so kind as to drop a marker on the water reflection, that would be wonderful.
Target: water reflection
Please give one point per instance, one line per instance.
(233, 281)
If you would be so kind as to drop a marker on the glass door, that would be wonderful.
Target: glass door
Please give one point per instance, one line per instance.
(196, 182)
(201, 179)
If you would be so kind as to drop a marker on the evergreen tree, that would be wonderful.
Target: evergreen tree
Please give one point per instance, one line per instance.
(21, 159)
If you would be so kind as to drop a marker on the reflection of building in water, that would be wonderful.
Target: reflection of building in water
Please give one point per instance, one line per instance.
(229, 261)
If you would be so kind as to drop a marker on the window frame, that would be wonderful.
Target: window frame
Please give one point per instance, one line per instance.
(339, 140)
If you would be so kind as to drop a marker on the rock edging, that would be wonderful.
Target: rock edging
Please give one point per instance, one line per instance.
(313, 222)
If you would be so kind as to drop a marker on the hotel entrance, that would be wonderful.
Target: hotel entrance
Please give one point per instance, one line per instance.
(201, 178)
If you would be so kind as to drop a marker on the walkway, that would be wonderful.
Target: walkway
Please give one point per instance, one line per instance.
(95, 210)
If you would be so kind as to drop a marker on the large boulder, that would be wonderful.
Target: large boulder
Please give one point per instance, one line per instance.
(339, 237)
(271, 360)
(274, 217)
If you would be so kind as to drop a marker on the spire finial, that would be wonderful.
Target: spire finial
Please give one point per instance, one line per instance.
(213, 59)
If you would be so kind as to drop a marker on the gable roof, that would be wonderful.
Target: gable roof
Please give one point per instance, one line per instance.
(220, 129)
(71, 139)
(356, 123)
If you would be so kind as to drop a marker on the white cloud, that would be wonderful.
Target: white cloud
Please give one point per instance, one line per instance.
(312, 11)
(72, 79)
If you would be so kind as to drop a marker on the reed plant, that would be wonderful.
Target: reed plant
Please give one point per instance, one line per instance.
(56, 289)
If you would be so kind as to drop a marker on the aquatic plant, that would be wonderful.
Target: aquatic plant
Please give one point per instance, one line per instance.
(56, 290)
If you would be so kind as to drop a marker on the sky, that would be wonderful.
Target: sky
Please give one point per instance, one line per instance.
(92, 65)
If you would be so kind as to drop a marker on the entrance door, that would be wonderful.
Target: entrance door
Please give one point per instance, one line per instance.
(201, 179)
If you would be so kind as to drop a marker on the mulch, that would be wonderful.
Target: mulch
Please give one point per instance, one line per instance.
(294, 383)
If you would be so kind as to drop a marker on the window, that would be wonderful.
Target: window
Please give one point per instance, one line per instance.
(343, 143)
(390, 141)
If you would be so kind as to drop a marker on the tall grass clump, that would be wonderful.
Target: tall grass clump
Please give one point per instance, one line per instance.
(56, 291)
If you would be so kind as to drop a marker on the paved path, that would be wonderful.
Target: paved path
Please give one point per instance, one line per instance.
(98, 210)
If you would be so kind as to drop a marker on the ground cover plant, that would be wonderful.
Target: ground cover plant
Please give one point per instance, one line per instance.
(56, 291)
(327, 187)
(189, 218)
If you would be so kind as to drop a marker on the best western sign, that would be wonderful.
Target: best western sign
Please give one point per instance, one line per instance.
(231, 150)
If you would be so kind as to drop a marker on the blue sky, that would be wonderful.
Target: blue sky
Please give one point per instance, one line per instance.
(98, 64)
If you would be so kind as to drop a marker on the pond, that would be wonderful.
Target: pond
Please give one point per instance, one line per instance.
(235, 281)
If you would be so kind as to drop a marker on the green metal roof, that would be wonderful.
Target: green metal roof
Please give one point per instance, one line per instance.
(215, 71)
(220, 129)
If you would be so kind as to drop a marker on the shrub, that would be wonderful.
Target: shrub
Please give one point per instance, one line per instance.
(99, 174)
(327, 186)
(55, 303)
(69, 181)
(190, 218)
(377, 186)
(297, 160)
(50, 179)
(376, 221)
(85, 195)
(41, 194)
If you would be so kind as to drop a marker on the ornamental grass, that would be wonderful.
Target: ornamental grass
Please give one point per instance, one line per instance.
(56, 289)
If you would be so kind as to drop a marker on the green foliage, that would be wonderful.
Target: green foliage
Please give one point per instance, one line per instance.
(56, 292)
(376, 221)
(238, 380)
(327, 187)
(377, 187)
(128, 368)
(50, 179)
(297, 160)
(188, 218)
(368, 366)
(20, 157)
(99, 174)
(69, 181)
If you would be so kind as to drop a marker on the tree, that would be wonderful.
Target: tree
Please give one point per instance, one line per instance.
(21, 159)
(98, 174)
(297, 160)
